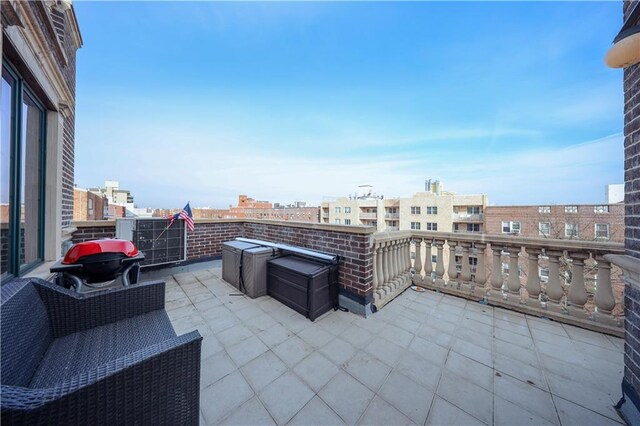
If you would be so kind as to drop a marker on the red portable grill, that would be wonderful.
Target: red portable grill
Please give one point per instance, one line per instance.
(98, 263)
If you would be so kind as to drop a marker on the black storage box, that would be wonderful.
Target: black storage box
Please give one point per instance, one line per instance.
(308, 286)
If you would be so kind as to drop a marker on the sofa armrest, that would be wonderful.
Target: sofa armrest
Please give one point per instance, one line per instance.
(156, 385)
(70, 312)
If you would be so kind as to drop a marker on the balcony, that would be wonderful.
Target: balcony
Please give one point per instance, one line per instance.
(368, 215)
(428, 358)
(392, 216)
(466, 217)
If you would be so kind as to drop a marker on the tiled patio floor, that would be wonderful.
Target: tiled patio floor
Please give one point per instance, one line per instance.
(426, 358)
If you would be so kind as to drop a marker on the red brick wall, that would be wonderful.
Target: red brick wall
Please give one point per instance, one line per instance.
(207, 238)
(94, 232)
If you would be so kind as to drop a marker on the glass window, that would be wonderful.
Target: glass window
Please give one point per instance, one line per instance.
(432, 226)
(602, 231)
(473, 227)
(347, 221)
(571, 209)
(415, 210)
(544, 228)
(338, 209)
(601, 209)
(22, 176)
(432, 210)
(473, 210)
(571, 230)
(347, 209)
(337, 221)
(415, 225)
(510, 227)
(544, 209)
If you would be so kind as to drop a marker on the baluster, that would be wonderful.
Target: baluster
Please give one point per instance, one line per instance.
(417, 263)
(577, 296)
(496, 272)
(481, 272)
(394, 265)
(604, 300)
(452, 272)
(554, 287)
(513, 280)
(379, 266)
(375, 270)
(465, 274)
(386, 261)
(440, 262)
(533, 277)
(428, 264)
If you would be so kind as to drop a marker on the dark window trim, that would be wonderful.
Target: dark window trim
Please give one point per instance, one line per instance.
(18, 90)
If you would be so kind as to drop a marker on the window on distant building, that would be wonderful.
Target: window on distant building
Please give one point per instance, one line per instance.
(571, 230)
(473, 227)
(432, 210)
(392, 210)
(338, 210)
(347, 221)
(415, 225)
(544, 228)
(22, 143)
(602, 231)
(510, 227)
(415, 210)
(544, 274)
(473, 210)
(90, 205)
(601, 209)
(347, 209)
(544, 209)
(337, 221)
(432, 226)
(571, 209)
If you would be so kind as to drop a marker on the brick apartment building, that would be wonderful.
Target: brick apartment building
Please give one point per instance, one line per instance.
(603, 222)
(88, 205)
(38, 47)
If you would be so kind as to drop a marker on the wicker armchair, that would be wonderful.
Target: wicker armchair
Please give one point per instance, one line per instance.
(109, 357)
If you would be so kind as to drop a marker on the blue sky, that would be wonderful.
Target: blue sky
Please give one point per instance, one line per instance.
(202, 101)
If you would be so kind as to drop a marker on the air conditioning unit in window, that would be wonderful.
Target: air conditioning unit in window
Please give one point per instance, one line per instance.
(151, 236)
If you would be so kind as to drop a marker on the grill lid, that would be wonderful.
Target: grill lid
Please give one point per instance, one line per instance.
(88, 248)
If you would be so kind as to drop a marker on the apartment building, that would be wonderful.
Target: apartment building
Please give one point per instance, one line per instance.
(114, 193)
(38, 48)
(603, 222)
(431, 210)
(88, 205)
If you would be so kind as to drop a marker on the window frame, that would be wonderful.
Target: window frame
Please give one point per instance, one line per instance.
(571, 209)
(595, 231)
(574, 227)
(544, 209)
(602, 208)
(431, 210)
(511, 226)
(432, 226)
(415, 226)
(347, 210)
(19, 91)
(415, 209)
(541, 232)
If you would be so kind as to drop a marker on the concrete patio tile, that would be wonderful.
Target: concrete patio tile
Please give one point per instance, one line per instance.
(346, 396)
(562, 350)
(382, 413)
(208, 304)
(251, 412)
(214, 368)
(420, 370)
(338, 351)
(520, 371)
(357, 336)
(474, 337)
(586, 396)
(477, 327)
(526, 396)
(526, 356)
(245, 314)
(546, 325)
(368, 370)
(574, 415)
(384, 350)
(511, 316)
(336, 322)
(293, 350)
(429, 350)
(213, 312)
(275, 335)
(316, 370)
(210, 346)
(443, 413)
(295, 322)
(472, 370)
(201, 297)
(444, 326)
(222, 322)
(184, 311)
(234, 335)
(316, 336)
(412, 399)
(171, 305)
(263, 370)
(285, 396)
(471, 315)
(588, 336)
(475, 352)
(373, 327)
(245, 351)
(316, 412)
(508, 414)
(598, 353)
(435, 335)
(219, 399)
(512, 327)
(260, 322)
(467, 396)
(513, 338)
(408, 324)
(397, 335)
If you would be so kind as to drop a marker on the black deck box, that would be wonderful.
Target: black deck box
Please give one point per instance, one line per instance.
(306, 285)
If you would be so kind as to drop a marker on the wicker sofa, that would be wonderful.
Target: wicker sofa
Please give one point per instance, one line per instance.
(109, 357)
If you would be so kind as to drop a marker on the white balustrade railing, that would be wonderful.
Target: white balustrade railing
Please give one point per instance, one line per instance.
(505, 272)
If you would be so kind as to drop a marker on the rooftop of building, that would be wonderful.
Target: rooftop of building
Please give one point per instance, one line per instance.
(427, 358)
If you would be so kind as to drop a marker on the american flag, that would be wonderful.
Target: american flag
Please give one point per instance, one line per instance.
(185, 215)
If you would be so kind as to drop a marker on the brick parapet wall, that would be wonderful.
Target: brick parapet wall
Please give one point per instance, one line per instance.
(351, 244)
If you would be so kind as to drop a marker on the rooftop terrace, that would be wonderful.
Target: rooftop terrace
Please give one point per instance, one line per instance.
(426, 358)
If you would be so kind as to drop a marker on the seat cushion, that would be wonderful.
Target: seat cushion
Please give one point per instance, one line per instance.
(70, 355)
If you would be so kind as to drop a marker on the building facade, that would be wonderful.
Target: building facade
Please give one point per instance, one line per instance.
(114, 193)
(599, 222)
(432, 210)
(88, 205)
(39, 44)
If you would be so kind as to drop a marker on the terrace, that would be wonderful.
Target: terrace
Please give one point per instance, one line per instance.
(538, 353)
